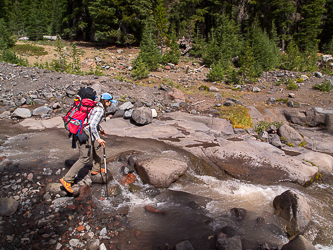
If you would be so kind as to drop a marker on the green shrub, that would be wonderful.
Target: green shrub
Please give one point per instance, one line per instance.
(291, 85)
(326, 86)
(10, 57)
(263, 125)
(299, 80)
(216, 73)
(28, 49)
(204, 87)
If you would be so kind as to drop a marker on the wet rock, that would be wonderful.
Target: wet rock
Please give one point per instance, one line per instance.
(114, 190)
(294, 211)
(239, 213)
(290, 134)
(8, 206)
(93, 244)
(62, 202)
(128, 179)
(234, 243)
(299, 243)
(55, 188)
(101, 177)
(151, 192)
(323, 161)
(21, 113)
(185, 245)
(246, 159)
(160, 172)
(142, 116)
(134, 188)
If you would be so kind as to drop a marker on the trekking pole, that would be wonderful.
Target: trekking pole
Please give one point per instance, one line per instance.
(106, 174)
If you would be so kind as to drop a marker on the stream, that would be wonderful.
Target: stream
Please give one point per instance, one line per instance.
(195, 208)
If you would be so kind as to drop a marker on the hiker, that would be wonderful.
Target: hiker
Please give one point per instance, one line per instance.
(93, 143)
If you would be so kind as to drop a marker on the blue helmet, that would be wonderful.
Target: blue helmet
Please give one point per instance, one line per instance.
(106, 96)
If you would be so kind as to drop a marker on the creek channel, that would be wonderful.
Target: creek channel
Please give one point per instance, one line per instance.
(194, 208)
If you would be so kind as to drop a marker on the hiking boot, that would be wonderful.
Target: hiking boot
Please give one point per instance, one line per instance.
(66, 185)
(102, 170)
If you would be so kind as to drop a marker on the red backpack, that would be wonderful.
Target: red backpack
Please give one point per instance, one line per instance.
(77, 116)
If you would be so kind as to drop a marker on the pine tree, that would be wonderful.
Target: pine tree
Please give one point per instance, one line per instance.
(307, 37)
(149, 52)
(248, 67)
(6, 40)
(139, 69)
(282, 13)
(292, 60)
(172, 55)
(216, 72)
(160, 22)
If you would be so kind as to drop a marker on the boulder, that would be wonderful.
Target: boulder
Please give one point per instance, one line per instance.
(160, 172)
(101, 178)
(329, 121)
(274, 139)
(290, 135)
(299, 243)
(42, 110)
(176, 95)
(295, 116)
(8, 206)
(142, 116)
(294, 210)
(184, 245)
(323, 161)
(233, 243)
(93, 244)
(57, 188)
(256, 161)
(22, 113)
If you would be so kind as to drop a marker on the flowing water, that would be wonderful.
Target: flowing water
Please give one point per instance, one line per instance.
(196, 207)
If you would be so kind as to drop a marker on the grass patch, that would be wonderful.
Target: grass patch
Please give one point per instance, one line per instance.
(262, 126)
(291, 85)
(284, 100)
(238, 116)
(326, 86)
(29, 50)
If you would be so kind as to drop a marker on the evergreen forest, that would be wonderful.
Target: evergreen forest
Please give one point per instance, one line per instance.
(253, 36)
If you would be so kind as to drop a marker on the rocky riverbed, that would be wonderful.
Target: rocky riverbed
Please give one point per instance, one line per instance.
(37, 213)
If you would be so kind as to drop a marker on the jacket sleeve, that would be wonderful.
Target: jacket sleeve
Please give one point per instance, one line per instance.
(94, 120)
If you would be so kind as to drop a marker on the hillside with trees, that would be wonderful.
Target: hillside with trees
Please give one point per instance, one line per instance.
(250, 36)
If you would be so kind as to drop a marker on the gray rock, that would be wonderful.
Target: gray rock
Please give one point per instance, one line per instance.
(298, 243)
(126, 106)
(274, 139)
(295, 116)
(41, 111)
(251, 131)
(40, 101)
(93, 244)
(213, 89)
(318, 74)
(142, 116)
(101, 178)
(174, 105)
(290, 104)
(290, 135)
(9, 103)
(239, 102)
(70, 93)
(128, 113)
(229, 103)
(233, 243)
(47, 94)
(5, 114)
(22, 113)
(323, 161)
(8, 206)
(329, 121)
(111, 110)
(294, 211)
(263, 135)
(218, 96)
(271, 100)
(184, 245)
(271, 129)
(160, 172)
(75, 243)
(256, 89)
